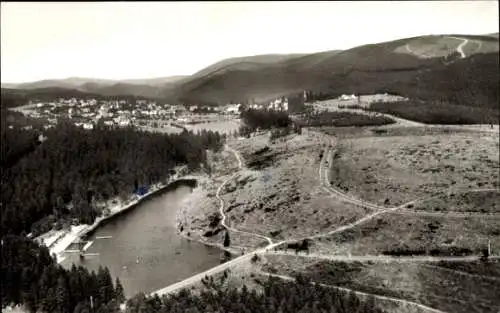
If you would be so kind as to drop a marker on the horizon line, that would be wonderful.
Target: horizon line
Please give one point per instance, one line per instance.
(117, 80)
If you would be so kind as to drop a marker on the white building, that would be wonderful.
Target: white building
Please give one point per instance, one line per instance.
(347, 97)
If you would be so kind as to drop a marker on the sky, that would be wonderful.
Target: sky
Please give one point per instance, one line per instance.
(123, 40)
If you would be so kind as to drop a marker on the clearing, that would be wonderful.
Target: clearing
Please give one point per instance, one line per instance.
(446, 286)
(377, 168)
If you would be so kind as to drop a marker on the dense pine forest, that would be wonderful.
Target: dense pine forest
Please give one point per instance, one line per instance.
(277, 296)
(64, 177)
(58, 178)
(30, 276)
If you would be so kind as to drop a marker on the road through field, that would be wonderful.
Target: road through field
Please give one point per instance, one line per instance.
(220, 268)
(360, 293)
(381, 258)
(246, 257)
(461, 46)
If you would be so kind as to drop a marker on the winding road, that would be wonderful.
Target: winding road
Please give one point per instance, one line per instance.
(323, 177)
(221, 207)
(461, 46)
(381, 258)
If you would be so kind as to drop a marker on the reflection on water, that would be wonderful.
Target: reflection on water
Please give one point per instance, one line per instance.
(144, 250)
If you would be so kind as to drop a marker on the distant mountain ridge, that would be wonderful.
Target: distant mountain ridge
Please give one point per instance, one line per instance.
(261, 77)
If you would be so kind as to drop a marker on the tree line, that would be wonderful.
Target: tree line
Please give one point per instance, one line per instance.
(299, 296)
(254, 119)
(60, 180)
(30, 276)
(65, 177)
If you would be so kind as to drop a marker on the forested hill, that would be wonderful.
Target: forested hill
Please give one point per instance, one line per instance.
(79, 167)
(59, 181)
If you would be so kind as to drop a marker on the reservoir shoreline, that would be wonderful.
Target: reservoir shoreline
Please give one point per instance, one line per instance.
(191, 182)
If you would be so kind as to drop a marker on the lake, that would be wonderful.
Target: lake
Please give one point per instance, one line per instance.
(144, 250)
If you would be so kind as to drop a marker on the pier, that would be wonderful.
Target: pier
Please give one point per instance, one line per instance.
(83, 245)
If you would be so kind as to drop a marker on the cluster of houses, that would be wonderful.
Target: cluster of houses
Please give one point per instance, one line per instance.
(87, 113)
(122, 113)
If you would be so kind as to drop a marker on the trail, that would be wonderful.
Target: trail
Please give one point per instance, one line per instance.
(461, 46)
(381, 258)
(422, 55)
(360, 293)
(445, 213)
(246, 257)
(221, 207)
(441, 268)
(193, 279)
(401, 122)
(400, 209)
(217, 269)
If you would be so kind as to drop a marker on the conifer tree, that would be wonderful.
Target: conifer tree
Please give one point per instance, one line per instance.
(227, 241)
(119, 292)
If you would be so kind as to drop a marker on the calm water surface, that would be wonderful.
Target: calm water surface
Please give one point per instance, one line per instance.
(145, 252)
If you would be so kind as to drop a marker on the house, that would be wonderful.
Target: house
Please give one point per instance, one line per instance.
(348, 97)
(42, 138)
(233, 108)
(124, 123)
(88, 126)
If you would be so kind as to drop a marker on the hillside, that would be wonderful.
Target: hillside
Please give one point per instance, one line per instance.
(365, 69)
(381, 67)
(106, 87)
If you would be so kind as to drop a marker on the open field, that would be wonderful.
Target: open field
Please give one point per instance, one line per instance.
(165, 129)
(223, 127)
(377, 168)
(279, 194)
(440, 46)
(450, 288)
(429, 46)
(397, 234)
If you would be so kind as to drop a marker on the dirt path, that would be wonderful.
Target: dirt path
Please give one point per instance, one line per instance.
(360, 293)
(217, 269)
(446, 213)
(461, 46)
(401, 209)
(461, 272)
(246, 257)
(380, 258)
(422, 55)
(193, 279)
(221, 207)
